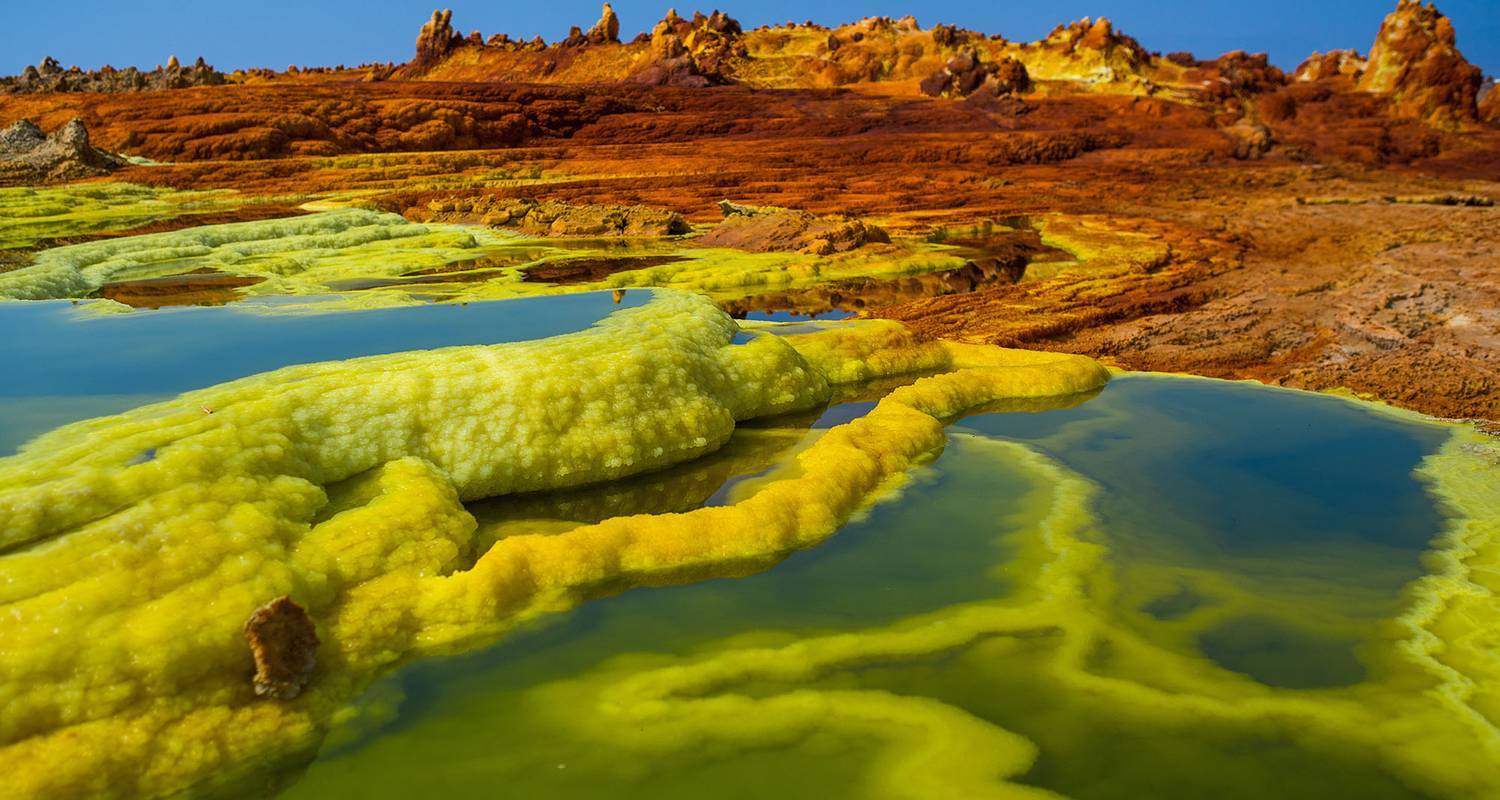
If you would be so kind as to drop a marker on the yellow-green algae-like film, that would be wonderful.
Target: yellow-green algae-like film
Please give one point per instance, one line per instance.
(135, 546)
(29, 215)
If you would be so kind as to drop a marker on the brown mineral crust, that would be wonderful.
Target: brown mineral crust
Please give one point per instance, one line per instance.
(1051, 311)
(589, 270)
(1385, 298)
(769, 229)
(283, 642)
(196, 288)
(1382, 298)
(280, 120)
(998, 267)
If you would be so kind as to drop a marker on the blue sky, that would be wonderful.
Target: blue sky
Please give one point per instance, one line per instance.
(275, 33)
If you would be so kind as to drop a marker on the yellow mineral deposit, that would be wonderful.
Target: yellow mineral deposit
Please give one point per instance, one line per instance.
(136, 546)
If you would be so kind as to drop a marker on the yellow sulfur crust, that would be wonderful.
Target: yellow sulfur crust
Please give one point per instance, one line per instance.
(135, 546)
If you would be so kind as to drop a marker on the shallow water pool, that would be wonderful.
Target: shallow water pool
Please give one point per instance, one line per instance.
(67, 362)
(1250, 546)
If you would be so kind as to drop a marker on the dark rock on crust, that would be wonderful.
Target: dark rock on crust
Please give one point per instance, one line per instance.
(553, 218)
(283, 641)
(965, 74)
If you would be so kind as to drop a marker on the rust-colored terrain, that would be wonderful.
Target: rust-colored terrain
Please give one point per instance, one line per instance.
(1333, 227)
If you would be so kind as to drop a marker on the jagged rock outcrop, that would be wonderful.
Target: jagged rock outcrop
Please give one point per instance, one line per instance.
(1332, 64)
(965, 74)
(553, 218)
(693, 53)
(1092, 51)
(1415, 61)
(435, 41)
(607, 29)
(769, 229)
(49, 76)
(27, 155)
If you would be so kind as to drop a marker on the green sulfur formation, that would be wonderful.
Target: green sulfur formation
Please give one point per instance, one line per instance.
(1098, 247)
(385, 260)
(30, 216)
(135, 546)
(291, 254)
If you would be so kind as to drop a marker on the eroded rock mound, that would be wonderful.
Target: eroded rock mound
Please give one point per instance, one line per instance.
(965, 74)
(1489, 102)
(769, 229)
(49, 76)
(553, 218)
(692, 53)
(1251, 139)
(1415, 61)
(27, 155)
(1092, 51)
(1242, 74)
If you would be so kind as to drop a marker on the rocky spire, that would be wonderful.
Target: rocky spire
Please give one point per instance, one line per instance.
(607, 29)
(1415, 61)
(436, 39)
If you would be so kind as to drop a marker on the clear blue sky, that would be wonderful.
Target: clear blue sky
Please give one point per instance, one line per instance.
(275, 33)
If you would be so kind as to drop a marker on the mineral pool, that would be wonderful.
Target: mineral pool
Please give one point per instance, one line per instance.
(592, 545)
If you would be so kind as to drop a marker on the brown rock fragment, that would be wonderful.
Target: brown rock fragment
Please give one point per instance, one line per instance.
(282, 640)
(965, 73)
(769, 229)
